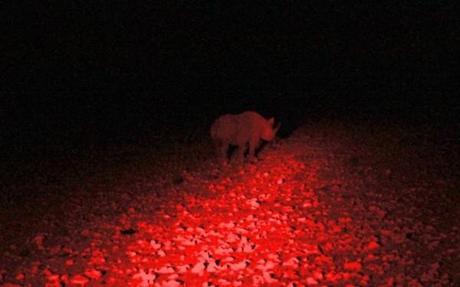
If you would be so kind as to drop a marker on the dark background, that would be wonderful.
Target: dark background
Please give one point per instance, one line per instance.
(102, 72)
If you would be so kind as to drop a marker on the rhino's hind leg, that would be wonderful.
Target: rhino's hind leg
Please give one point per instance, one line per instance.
(240, 151)
(222, 153)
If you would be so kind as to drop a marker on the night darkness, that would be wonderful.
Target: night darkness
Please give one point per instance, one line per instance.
(124, 68)
(90, 77)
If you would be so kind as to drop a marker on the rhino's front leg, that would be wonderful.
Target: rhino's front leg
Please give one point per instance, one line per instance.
(252, 149)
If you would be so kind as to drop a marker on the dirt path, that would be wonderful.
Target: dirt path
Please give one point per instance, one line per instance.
(332, 205)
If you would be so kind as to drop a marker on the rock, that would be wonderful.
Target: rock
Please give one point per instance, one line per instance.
(79, 280)
(199, 268)
(155, 244)
(293, 262)
(373, 245)
(318, 275)
(93, 274)
(165, 270)
(172, 283)
(239, 266)
(38, 241)
(20, 276)
(69, 262)
(212, 267)
(354, 266)
(224, 282)
(311, 281)
(268, 277)
(183, 268)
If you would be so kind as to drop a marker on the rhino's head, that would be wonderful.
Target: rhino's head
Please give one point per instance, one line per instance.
(269, 132)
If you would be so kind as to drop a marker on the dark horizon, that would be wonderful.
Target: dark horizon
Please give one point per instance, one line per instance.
(117, 70)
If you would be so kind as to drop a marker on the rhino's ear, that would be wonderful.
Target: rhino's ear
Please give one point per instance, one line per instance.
(271, 121)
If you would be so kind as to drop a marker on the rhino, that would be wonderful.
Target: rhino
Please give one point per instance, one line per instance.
(244, 130)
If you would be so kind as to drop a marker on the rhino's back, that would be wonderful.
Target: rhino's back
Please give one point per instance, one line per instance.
(252, 118)
(225, 127)
(252, 122)
(237, 128)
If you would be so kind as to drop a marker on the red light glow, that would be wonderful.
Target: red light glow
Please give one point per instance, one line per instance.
(302, 216)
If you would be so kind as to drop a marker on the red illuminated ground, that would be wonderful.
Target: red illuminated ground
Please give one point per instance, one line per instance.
(332, 205)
